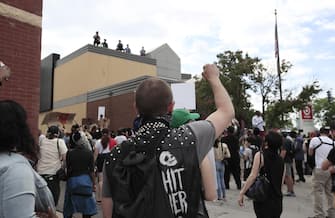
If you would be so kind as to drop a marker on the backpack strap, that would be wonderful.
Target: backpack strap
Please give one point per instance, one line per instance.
(261, 170)
(321, 142)
(59, 154)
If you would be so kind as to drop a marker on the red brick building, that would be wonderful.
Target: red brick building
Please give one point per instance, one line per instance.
(20, 49)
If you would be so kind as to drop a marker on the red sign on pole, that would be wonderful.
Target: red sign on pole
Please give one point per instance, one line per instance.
(306, 113)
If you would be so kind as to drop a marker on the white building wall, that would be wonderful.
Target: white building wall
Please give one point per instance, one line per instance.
(168, 62)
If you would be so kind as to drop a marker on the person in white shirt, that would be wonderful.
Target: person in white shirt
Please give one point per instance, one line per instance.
(322, 179)
(53, 151)
(258, 122)
(121, 136)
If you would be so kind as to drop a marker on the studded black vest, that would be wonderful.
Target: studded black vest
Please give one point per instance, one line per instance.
(156, 174)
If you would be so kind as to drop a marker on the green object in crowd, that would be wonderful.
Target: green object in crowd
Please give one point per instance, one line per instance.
(182, 116)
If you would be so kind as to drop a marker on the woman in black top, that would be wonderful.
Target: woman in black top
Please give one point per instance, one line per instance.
(273, 166)
(80, 183)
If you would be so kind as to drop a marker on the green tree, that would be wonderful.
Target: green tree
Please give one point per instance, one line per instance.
(290, 104)
(236, 71)
(324, 111)
(265, 84)
(204, 97)
(278, 112)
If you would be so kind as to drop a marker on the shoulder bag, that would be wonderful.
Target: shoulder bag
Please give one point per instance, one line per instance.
(259, 190)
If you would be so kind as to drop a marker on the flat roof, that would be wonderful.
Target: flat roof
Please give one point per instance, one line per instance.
(108, 52)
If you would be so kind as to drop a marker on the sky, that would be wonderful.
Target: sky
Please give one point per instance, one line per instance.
(199, 30)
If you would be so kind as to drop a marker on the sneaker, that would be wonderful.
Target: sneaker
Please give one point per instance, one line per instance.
(217, 201)
(289, 194)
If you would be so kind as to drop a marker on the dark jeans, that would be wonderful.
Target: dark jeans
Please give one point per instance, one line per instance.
(299, 168)
(53, 185)
(234, 168)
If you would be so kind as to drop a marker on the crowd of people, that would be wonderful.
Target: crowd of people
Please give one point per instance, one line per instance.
(119, 46)
(286, 158)
(167, 165)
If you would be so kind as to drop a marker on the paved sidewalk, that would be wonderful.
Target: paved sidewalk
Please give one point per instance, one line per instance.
(300, 206)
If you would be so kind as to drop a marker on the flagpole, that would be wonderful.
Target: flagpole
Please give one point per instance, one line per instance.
(278, 63)
(277, 58)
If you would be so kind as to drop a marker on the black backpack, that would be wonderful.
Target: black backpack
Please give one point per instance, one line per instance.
(136, 180)
(311, 158)
(254, 150)
(291, 150)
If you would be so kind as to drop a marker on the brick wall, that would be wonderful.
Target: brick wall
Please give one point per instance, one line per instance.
(33, 6)
(119, 109)
(21, 51)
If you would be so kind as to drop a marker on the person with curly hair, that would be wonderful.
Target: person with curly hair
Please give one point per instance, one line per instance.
(18, 155)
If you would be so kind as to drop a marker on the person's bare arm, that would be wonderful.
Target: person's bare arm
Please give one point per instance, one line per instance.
(312, 148)
(96, 152)
(310, 151)
(63, 157)
(49, 214)
(283, 153)
(208, 179)
(328, 165)
(252, 177)
(107, 207)
(283, 177)
(224, 113)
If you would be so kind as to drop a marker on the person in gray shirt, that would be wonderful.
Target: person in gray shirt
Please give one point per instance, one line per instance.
(153, 98)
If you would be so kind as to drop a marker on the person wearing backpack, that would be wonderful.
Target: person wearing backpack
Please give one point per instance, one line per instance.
(287, 153)
(329, 164)
(310, 159)
(156, 173)
(322, 181)
(250, 149)
(299, 157)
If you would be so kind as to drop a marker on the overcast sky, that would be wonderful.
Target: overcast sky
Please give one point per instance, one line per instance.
(198, 30)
